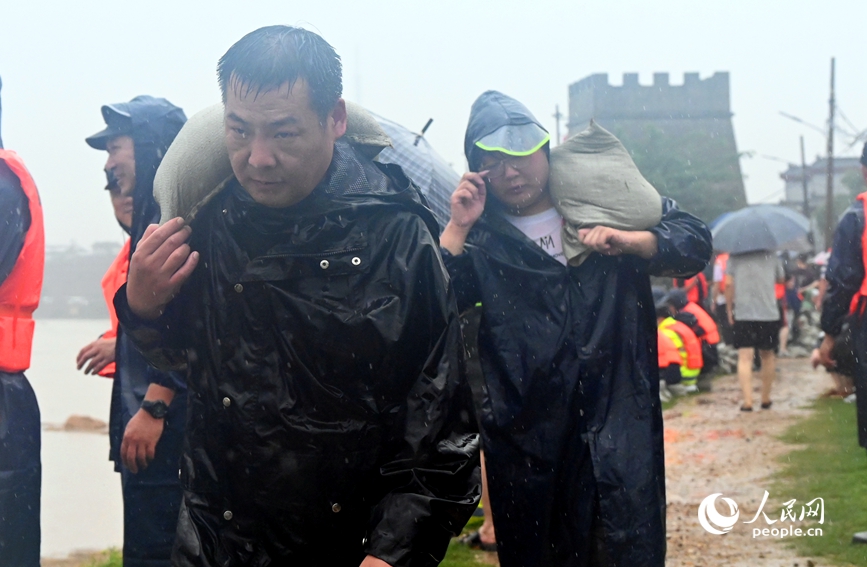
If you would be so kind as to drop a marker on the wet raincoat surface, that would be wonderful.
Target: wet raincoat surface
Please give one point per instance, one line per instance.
(328, 419)
(568, 400)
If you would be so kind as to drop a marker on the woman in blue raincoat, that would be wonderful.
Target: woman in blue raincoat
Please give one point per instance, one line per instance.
(567, 396)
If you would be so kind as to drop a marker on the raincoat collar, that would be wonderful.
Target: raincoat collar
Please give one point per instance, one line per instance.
(372, 184)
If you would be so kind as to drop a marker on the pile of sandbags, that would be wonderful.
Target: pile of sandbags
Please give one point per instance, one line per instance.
(593, 181)
(728, 359)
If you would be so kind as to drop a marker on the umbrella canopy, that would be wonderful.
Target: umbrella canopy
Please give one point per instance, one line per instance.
(436, 179)
(761, 227)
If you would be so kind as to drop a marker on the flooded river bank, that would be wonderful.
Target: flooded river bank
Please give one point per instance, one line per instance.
(81, 499)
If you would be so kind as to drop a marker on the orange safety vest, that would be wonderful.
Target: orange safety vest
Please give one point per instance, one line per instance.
(696, 293)
(114, 277)
(705, 321)
(668, 353)
(19, 293)
(722, 261)
(694, 359)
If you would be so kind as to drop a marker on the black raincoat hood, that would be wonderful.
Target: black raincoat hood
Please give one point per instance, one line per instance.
(491, 111)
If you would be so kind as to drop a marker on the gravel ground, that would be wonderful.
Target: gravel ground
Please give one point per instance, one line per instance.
(712, 447)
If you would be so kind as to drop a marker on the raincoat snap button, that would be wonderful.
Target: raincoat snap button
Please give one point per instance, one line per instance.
(336, 507)
(226, 402)
(356, 261)
(239, 288)
(324, 264)
(227, 515)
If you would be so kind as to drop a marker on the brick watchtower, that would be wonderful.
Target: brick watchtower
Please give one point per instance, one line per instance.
(680, 136)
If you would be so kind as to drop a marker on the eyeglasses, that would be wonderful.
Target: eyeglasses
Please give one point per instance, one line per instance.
(497, 169)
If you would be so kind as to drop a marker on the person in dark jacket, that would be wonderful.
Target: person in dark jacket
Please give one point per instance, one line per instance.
(22, 255)
(148, 407)
(847, 279)
(568, 392)
(328, 424)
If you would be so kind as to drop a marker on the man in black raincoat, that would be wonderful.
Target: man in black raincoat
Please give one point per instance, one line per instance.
(328, 425)
(148, 407)
(568, 392)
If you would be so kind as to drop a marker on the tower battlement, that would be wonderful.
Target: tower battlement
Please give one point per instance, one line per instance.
(594, 97)
(680, 136)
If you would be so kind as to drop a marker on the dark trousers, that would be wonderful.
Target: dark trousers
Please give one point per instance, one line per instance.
(151, 503)
(20, 472)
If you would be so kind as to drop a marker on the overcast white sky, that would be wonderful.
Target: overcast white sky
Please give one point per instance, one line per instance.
(408, 61)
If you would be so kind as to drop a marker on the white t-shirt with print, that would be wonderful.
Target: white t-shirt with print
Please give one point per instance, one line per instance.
(545, 230)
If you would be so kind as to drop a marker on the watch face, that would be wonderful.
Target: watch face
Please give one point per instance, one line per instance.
(157, 409)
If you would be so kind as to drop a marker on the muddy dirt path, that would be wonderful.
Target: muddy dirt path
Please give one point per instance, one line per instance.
(712, 447)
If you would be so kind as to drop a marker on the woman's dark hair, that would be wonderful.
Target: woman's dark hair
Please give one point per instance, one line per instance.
(269, 57)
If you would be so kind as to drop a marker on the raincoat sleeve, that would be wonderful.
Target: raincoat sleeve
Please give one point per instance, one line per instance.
(431, 481)
(845, 271)
(683, 241)
(162, 341)
(463, 277)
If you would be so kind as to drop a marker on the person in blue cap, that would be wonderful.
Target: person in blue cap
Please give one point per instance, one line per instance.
(148, 407)
(567, 391)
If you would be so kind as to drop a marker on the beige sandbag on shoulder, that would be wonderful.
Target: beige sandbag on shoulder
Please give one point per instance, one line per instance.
(593, 181)
(196, 166)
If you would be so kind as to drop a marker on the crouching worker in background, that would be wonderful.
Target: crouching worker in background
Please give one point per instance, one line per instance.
(702, 324)
(685, 341)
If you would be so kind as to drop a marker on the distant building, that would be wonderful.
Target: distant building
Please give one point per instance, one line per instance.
(817, 181)
(680, 136)
(71, 287)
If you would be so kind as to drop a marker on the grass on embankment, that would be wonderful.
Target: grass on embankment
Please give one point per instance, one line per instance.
(109, 558)
(831, 465)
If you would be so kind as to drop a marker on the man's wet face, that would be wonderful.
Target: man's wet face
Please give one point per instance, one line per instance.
(279, 147)
(121, 162)
(519, 183)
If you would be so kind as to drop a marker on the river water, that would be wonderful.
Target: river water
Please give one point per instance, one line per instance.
(82, 508)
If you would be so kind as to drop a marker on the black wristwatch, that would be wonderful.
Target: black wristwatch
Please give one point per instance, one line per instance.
(158, 408)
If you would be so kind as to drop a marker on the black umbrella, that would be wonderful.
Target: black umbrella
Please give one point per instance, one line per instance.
(760, 227)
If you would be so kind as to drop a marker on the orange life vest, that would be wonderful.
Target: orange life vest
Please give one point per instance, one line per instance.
(722, 261)
(779, 291)
(705, 321)
(862, 292)
(114, 277)
(694, 360)
(698, 292)
(668, 353)
(19, 293)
